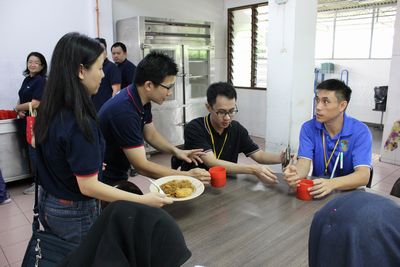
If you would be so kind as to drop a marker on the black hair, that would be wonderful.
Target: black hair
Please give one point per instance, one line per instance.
(123, 46)
(43, 61)
(342, 91)
(155, 67)
(220, 88)
(102, 41)
(64, 88)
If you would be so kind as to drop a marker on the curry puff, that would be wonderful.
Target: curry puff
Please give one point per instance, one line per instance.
(178, 188)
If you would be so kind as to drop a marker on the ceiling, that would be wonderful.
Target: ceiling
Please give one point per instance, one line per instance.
(331, 5)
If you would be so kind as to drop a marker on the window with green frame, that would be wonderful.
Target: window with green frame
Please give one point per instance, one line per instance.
(247, 46)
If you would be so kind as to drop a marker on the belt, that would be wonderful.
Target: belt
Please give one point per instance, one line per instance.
(65, 202)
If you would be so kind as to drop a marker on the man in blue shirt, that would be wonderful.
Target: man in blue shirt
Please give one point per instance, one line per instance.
(111, 82)
(338, 146)
(127, 68)
(126, 121)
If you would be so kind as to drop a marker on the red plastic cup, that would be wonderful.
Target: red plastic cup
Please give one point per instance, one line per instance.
(3, 114)
(302, 189)
(218, 176)
(12, 114)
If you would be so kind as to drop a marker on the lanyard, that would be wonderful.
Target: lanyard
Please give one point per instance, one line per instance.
(212, 140)
(333, 152)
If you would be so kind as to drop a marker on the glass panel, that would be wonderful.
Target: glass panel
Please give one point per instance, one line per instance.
(382, 39)
(198, 72)
(324, 35)
(353, 34)
(262, 49)
(241, 48)
(171, 53)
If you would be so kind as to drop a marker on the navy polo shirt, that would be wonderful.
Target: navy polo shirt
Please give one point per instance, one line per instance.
(127, 70)
(355, 143)
(112, 76)
(66, 153)
(122, 120)
(32, 88)
(197, 135)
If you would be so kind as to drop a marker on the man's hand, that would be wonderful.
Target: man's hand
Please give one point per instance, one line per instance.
(190, 156)
(200, 174)
(265, 174)
(291, 176)
(321, 188)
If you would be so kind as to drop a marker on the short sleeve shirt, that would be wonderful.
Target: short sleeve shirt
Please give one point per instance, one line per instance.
(197, 135)
(112, 76)
(32, 88)
(355, 141)
(127, 70)
(122, 120)
(67, 153)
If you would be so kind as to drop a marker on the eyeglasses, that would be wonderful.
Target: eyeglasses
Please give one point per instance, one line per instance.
(222, 113)
(168, 87)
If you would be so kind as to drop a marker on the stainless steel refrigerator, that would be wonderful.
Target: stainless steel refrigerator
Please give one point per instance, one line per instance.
(191, 45)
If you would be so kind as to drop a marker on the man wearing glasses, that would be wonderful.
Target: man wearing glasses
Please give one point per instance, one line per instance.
(223, 138)
(126, 121)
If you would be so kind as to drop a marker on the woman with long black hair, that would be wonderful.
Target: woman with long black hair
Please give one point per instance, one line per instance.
(70, 146)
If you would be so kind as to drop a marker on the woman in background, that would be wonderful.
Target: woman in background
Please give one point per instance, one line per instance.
(69, 144)
(31, 92)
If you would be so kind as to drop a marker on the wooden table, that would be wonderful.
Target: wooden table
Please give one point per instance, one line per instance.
(242, 225)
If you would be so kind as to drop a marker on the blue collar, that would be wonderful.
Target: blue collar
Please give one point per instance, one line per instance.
(346, 129)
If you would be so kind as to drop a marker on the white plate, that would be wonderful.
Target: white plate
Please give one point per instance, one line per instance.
(198, 186)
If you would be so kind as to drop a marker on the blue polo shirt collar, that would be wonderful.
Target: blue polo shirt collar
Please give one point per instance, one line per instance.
(346, 130)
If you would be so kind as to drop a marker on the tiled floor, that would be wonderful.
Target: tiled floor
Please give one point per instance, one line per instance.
(16, 217)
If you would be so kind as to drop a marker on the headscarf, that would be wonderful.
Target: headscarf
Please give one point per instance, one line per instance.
(131, 234)
(356, 229)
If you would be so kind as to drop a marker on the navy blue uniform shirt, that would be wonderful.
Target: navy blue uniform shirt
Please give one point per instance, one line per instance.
(66, 153)
(32, 88)
(122, 119)
(112, 76)
(197, 135)
(127, 70)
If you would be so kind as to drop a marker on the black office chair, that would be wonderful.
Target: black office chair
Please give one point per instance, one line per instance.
(370, 178)
(396, 189)
(176, 163)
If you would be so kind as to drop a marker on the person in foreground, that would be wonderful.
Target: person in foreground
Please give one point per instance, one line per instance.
(131, 234)
(356, 229)
(223, 138)
(126, 121)
(338, 146)
(69, 144)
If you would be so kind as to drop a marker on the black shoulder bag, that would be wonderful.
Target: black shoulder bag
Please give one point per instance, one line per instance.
(44, 249)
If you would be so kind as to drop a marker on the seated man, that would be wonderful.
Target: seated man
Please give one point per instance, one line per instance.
(338, 146)
(223, 138)
(126, 121)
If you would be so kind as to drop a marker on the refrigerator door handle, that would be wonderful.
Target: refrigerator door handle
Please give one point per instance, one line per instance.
(144, 46)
